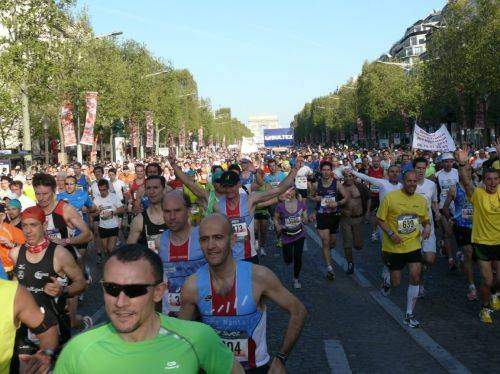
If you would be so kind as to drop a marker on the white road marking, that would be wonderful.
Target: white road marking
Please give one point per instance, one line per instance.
(441, 355)
(337, 359)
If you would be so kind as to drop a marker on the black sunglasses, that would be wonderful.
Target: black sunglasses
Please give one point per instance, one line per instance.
(131, 290)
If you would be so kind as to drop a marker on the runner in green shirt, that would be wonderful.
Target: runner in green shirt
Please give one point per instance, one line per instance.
(139, 340)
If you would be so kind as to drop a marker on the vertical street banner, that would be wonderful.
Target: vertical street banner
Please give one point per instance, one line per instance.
(373, 132)
(479, 123)
(182, 137)
(200, 136)
(461, 101)
(406, 123)
(342, 135)
(134, 138)
(361, 130)
(170, 138)
(67, 124)
(91, 109)
(149, 130)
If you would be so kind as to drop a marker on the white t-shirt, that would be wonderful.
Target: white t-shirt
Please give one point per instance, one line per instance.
(94, 189)
(301, 178)
(429, 190)
(478, 162)
(117, 187)
(446, 180)
(108, 204)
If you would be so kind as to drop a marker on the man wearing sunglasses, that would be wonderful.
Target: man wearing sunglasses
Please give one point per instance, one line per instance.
(137, 339)
(230, 296)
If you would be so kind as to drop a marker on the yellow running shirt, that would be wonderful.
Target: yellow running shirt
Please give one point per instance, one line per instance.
(486, 217)
(403, 214)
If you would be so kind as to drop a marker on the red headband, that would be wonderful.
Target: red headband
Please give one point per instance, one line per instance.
(34, 212)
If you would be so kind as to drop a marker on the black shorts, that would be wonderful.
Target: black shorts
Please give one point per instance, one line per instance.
(375, 203)
(261, 215)
(463, 235)
(397, 261)
(302, 193)
(484, 252)
(328, 222)
(108, 233)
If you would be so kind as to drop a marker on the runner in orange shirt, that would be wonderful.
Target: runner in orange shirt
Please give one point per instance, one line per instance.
(10, 237)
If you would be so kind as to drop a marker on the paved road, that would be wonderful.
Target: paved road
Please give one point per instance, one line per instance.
(352, 328)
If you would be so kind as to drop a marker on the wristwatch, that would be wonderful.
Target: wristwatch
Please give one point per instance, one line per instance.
(282, 357)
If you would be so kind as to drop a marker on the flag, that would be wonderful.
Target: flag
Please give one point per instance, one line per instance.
(134, 139)
(67, 124)
(361, 132)
(91, 109)
(149, 130)
(200, 137)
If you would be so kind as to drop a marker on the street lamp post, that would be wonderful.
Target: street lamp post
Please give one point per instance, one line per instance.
(46, 138)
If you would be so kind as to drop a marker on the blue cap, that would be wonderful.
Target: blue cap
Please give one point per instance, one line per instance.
(15, 203)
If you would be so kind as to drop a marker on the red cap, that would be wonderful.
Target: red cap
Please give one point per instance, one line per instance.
(34, 212)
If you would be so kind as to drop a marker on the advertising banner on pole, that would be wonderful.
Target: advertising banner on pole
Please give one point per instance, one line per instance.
(119, 149)
(361, 130)
(200, 136)
(134, 138)
(278, 137)
(93, 153)
(342, 135)
(67, 124)
(149, 130)
(91, 109)
(406, 123)
(440, 140)
(373, 132)
(479, 123)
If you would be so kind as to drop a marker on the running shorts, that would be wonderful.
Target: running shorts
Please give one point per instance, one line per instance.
(108, 233)
(463, 235)
(484, 252)
(328, 222)
(397, 261)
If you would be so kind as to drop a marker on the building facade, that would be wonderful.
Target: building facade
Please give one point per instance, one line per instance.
(413, 44)
(257, 123)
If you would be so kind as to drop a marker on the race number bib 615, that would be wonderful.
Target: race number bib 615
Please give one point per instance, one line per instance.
(407, 223)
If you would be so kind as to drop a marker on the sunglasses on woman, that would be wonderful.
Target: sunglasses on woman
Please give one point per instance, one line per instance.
(131, 290)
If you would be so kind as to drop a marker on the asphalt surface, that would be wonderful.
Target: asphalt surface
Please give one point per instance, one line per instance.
(351, 327)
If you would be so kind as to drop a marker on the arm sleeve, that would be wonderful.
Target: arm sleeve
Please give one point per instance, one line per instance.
(214, 356)
(366, 178)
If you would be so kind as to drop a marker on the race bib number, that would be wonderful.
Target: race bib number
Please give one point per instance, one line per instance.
(240, 228)
(239, 347)
(327, 200)
(292, 222)
(467, 214)
(106, 213)
(407, 224)
(174, 301)
(301, 183)
(54, 234)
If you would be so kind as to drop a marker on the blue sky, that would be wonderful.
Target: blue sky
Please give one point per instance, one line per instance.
(263, 56)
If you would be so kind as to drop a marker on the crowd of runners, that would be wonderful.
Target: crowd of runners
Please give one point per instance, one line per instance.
(179, 240)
